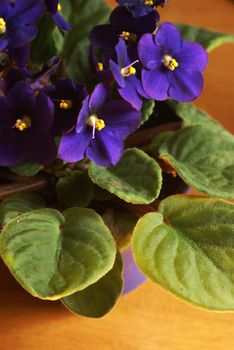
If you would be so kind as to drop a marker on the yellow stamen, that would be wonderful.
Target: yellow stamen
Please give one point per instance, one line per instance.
(59, 8)
(2, 26)
(96, 123)
(170, 62)
(65, 104)
(127, 36)
(100, 67)
(126, 72)
(24, 123)
(148, 3)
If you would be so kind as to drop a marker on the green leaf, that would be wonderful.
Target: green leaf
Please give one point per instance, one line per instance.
(188, 248)
(54, 255)
(18, 204)
(147, 110)
(26, 168)
(76, 189)
(203, 158)
(193, 115)
(209, 39)
(99, 298)
(136, 178)
(43, 46)
(83, 15)
(121, 223)
(157, 142)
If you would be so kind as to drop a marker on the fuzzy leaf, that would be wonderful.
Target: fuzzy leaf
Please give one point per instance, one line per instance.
(75, 189)
(136, 178)
(187, 248)
(99, 298)
(26, 168)
(54, 255)
(203, 158)
(193, 115)
(18, 204)
(209, 39)
(121, 224)
(147, 110)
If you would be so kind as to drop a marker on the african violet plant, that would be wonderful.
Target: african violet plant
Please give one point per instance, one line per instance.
(97, 135)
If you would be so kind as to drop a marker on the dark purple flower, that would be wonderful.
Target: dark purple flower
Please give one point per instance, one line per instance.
(124, 25)
(25, 123)
(18, 22)
(124, 73)
(140, 8)
(67, 97)
(101, 128)
(54, 9)
(172, 67)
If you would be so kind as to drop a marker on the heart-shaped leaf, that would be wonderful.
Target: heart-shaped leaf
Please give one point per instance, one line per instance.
(210, 39)
(99, 298)
(18, 204)
(75, 189)
(26, 168)
(136, 178)
(121, 224)
(187, 248)
(54, 255)
(203, 158)
(147, 110)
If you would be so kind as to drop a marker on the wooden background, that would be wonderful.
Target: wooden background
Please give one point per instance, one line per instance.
(149, 318)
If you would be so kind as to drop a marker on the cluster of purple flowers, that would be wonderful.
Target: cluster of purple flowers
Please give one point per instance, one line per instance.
(131, 55)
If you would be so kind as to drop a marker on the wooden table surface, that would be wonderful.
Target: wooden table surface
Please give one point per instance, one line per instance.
(149, 318)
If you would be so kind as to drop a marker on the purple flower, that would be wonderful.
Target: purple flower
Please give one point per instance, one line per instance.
(18, 22)
(25, 123)
(67, 97)
(140, 8)
(101, 128)
(172, 67)
(124, 25)
(124, 73)
(54, 9)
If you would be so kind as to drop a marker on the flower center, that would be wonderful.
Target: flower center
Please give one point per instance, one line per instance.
(127, 36)
(59, 8)
(129, 70)
(170, 62)
(148, 3)
(2, 26)
(65, 104)
(24, 123)
(97, 124)
(100, 67)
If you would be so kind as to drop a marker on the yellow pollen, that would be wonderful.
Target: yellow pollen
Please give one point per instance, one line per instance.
(126, 72)
(24, 123)
(100, 67)
(96, 123)
(170, 62)
(148, 3)
(127, 36)
(59, 8)
(2, 26)
(65, 104)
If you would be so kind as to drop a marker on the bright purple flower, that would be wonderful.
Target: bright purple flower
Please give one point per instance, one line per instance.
(25, 123)
(124, 25)
(124, 73)
(18, 22)
(140, 8)
(54, 9)
(101, 128)
(172, 67)
(67, 97)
